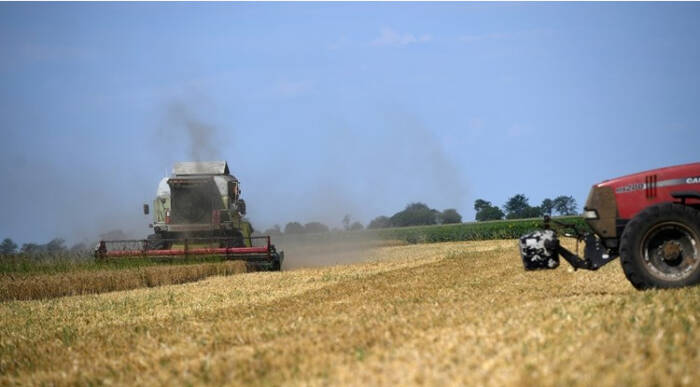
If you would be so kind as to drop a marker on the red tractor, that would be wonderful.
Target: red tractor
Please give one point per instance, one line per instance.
(651, 220)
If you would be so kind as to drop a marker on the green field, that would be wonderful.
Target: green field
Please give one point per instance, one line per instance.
(474, 231)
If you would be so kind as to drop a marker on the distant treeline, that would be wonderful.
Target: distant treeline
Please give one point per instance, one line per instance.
(518, 207)
(8, 246)
(419, 214)
(415, 214)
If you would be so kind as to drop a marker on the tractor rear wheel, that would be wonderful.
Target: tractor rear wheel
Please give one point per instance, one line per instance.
(660, 247)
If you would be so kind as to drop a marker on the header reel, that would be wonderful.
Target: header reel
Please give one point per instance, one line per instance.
(258, 252)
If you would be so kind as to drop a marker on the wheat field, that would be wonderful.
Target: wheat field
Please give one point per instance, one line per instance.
(430, 314)
(78, 282)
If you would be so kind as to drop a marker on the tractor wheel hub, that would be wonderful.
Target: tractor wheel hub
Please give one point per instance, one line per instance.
(670, 251)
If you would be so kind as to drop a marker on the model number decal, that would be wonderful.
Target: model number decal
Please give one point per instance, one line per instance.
(664, 183)
(631, 187)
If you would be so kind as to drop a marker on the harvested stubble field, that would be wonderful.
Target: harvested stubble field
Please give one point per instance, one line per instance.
(449, 313)
(30, 286)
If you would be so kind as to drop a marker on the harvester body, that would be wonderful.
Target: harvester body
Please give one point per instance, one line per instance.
(198, 211)
(200, 199)
(651, 220)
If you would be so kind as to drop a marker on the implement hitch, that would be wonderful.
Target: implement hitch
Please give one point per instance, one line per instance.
(541, 249)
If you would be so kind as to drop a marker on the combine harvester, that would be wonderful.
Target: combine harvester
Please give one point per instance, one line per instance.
(651, 220)
(198, 212)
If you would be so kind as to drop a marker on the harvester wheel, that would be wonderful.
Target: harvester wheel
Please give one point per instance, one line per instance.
(155, 242)
(276, 265)
(660, 247)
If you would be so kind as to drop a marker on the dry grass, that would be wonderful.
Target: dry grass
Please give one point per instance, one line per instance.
(452, 313)
(31, 287)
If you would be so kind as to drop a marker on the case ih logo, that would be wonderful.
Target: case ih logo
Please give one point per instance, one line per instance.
(664, 183)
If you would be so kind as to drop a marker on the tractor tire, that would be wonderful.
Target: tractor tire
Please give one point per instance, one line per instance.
(660, 247)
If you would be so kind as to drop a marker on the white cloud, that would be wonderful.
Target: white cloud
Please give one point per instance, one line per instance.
(390, 37)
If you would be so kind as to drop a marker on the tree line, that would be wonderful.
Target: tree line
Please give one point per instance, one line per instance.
(8, 246)
(415, 214)
(314, 227)
(518, 207)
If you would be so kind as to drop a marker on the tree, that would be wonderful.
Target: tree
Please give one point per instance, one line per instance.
(449, 216)
(56, 244)
(346, 222)
(515, 206)
(315, 227)
(30, 248)
(415, 214)
(531, 212)
(565, 205)
(486, 211)
(274, 230)
(518, 207)
(480, 204)
(8, 246)
(489, 213)
(547, 206)
(356, 226)
(379, 222)
(293, 228)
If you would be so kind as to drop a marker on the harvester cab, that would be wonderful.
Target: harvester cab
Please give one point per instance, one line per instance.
(198, 211)
(651, 220)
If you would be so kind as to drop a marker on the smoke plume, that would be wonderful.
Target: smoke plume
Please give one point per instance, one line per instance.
(182, 122)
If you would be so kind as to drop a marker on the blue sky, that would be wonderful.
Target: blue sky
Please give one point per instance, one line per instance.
(323, 109)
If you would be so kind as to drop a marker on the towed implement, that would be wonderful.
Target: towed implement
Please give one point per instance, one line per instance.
(198, 213)
(651, 220)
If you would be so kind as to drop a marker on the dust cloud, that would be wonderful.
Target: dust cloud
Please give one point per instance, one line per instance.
(329, 249)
